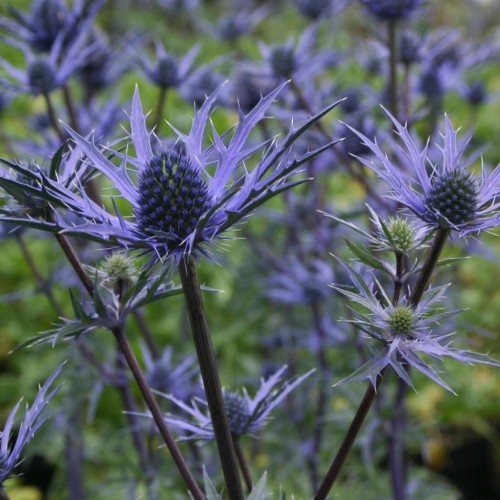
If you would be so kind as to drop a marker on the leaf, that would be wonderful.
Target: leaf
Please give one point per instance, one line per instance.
(210, 490)
(365, 257)
(259, 491)
(56, 162)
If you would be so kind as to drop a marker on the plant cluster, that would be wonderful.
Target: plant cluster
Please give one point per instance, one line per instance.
(322, 136)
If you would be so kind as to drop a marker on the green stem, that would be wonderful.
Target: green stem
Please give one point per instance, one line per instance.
(156, 413)
(162, 97)
(429, 265)
(210, 375)
(350, 437)
(70, 108)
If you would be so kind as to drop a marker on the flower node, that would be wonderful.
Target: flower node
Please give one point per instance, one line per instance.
(172, 195)
(453, 195)
(237, 412)
(401, 321)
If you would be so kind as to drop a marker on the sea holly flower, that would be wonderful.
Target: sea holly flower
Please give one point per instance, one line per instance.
(404, 334)
(176, 379)
(11, 447)
(391, 9)
(45, 73)
(167, 71)
(246, 415)
(300, 61)
(186, 196)
(443, 194)
(49, 20)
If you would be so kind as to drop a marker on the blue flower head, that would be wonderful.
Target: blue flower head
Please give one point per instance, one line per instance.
(246, 415)
(443, 194)
(391, 9)
(11, 448)
(404, 335)
(49, 20)
(185, 196)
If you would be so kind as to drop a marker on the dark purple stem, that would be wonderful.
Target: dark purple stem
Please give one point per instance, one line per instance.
(210, 375)
(134, 367)
(423, 280)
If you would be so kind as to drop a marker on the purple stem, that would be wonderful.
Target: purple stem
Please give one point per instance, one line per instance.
(210, 375)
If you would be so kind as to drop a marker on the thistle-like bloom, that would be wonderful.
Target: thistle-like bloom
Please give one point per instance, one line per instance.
(300, 61)
(405, 334)
(396, 234)
(391, 9)
(245, 414)
(46, 73)
(315, 9)
(444, 195)
(10, 447)
(167, 71)
(186, 196)
(48, 20)
(176, 379)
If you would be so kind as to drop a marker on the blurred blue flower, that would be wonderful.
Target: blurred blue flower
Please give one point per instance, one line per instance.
(240, 22)
(246, 415)
(391, 9)
(300, 61)
(315, 9)
(167, 71)
(50, 20)
(443, 194)
(10, 447)
(178, 380)
(46, 73)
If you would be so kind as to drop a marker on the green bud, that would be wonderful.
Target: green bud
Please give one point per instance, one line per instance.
(401, 321)
(117, 268)
(402, 234)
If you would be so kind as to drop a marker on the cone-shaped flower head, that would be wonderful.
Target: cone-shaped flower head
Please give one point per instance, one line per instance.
(444, 194)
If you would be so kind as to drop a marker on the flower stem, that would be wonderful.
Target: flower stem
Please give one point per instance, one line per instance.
(349, 438)
(68, 101)
(429, 265)
(52, 117)
(243, 464)
(210, 375)
(366, 403)
(134, 367)
(162, 97)
(393, 67)
(156, 413)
